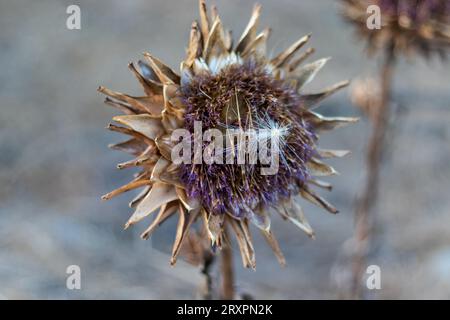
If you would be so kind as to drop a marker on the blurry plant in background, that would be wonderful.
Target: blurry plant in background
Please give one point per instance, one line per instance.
(225, 86)
(408, 27)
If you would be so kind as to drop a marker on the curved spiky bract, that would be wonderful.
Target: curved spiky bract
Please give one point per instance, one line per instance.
(225, 86)
(407, 26)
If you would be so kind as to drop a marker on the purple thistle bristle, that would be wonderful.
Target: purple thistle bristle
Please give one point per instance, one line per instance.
(235, 188)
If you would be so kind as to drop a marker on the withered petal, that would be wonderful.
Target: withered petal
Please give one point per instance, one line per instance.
(160, 166)
(258, 47)
(129, 186)
(294, 213)
(321, 184)
(214, 226)
(306, 73)
(314, 198)
(130, 132)
(165, 212)
(260, 218)
(132, 146)
(244, 242)
(249, 34)
(160, 194)
(195, 45)
(165, 74)
(300, 59)
(152, 105)
(136, 200)
(214, 41)
(189, 203)
(143, 123)
(184, 222)
(328, 153)
(283, 58)
(125, 108)
(311, 101)
(165, 145)
(273, 243)
(320, 169)
(204, 20)
(322, 123)
(150, 88)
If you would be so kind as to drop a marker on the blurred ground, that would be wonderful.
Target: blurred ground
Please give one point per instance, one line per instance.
(54, 164)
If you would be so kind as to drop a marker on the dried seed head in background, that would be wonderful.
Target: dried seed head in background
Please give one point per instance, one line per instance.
(365, 93)
(409, 26)
(225, 86)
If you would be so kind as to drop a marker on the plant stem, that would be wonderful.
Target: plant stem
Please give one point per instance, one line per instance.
(208, 260)
(364, 220)
(227, 272)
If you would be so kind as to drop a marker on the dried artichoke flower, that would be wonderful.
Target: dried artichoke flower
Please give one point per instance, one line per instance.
(409, 26)
(225, 86)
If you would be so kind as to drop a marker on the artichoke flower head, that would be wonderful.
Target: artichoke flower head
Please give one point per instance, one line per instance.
(223, 86)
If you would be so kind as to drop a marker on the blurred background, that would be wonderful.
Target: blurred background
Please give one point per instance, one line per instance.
(55, 164)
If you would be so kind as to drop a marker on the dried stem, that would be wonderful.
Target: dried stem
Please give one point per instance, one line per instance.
(364, 220)
(227, 272)
(208, 289)
(208, 260)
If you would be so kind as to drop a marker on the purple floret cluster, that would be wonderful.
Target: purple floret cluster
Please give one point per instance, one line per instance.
(235, 188)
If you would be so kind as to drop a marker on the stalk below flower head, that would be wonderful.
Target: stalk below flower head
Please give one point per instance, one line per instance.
(408, 26)
(225, 85)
